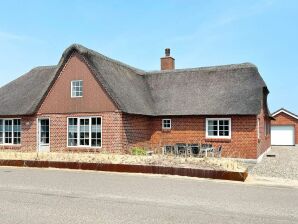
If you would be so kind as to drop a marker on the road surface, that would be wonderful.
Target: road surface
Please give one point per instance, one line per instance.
(31, 195)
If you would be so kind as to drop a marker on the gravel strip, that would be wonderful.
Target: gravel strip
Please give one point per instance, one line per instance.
(284, 165)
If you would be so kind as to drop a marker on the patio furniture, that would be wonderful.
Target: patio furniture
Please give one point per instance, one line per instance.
(217, 152)
(205, 145)
(206, 150)
(194, 149)
(168, 149)
(180, 148)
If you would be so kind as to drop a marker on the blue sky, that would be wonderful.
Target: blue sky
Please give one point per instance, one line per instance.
(199, 33)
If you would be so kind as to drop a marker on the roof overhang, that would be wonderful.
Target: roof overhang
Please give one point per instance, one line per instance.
(282, 110)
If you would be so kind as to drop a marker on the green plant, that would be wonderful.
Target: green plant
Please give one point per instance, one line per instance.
(138, 151)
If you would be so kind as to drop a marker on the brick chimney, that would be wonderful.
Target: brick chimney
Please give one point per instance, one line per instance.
(167, 62)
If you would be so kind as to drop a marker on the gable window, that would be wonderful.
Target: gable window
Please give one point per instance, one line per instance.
(76, 88)
(84, 132)
(166, 124)
(218, 127)
(10, 131)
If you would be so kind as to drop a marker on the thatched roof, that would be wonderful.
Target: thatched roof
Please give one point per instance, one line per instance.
(219, 90)
(23, 95)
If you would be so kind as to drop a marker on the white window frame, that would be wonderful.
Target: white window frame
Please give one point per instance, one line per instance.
(78, 133)
(71, 92)
(163, 123)
(221, 137)
(12, 135)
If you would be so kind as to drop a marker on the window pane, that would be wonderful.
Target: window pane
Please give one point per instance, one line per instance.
(72, 131)
(84, 131)
(1, 131)
(8, 125)
(96, 132)
(166, 123)
(77, 88)
(85, 137)
(212, 122)
(218, 128)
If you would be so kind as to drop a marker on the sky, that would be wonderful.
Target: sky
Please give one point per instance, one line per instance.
(136, 32)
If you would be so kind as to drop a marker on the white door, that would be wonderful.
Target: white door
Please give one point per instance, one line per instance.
(43, 135)
(282, 135)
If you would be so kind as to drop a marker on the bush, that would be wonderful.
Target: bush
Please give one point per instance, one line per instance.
(138, 151)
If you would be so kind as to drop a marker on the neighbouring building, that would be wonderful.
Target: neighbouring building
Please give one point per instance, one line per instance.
(91, 102)
(284, 128)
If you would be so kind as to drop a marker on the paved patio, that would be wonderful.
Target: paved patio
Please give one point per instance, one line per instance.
(284, 165)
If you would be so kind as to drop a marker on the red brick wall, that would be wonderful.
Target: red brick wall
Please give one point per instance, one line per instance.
(111, 131)
(59, 99)
(167, 63)
(28, 135)
(112, 128)
(284, 119)
(191, 129)
(122, 131)
(264, 141)
(136, 131)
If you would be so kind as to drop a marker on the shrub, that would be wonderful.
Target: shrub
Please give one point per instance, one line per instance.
(138, 151)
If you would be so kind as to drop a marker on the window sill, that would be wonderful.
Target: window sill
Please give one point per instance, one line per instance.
(217, 139)
(166, 130)
(84, 147)
(11, 145)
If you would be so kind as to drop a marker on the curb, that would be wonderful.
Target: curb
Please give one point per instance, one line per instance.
(128, 168)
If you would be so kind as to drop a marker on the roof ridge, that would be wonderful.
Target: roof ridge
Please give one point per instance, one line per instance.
(205, 68)
(44, 67)
(88, 50)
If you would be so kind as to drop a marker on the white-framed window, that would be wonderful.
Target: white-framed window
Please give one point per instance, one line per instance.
(258, 128)
(10, 131)
(77, 88)
(84, 132)
(218, 127)
(166, 124)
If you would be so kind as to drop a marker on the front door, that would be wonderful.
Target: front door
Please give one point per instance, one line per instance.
(43, 135)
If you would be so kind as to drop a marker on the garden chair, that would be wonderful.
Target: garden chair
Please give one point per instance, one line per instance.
(167, 149)
(181, 148)
(193, 149)
(205, 149)
(217, 152)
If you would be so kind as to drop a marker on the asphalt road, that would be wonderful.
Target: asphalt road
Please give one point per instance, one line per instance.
(29, 195)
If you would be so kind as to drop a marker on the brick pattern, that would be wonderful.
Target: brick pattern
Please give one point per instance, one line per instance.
(264, 142)
(94, 100)
(167, 63)
(28, 135)
(136, 131)
(191, 129)
(284, 119)
(121, 131)
(111, 132)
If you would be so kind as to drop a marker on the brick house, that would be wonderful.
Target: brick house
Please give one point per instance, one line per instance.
(91, 102)
(284, 128)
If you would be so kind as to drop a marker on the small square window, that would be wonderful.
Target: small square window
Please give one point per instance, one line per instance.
(77, 88)
(166, 124)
